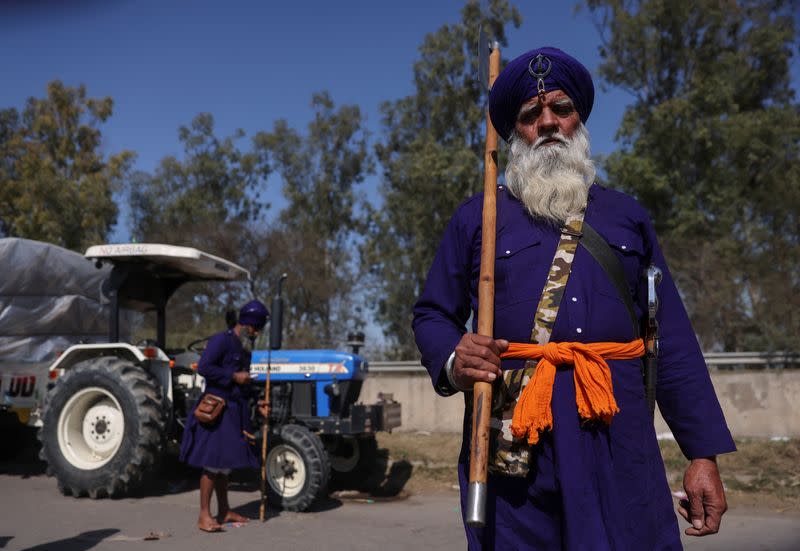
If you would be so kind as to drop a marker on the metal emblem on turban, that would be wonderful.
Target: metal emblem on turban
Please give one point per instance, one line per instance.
(539, 68)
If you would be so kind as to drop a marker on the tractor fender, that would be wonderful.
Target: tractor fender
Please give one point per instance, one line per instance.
(157, 366)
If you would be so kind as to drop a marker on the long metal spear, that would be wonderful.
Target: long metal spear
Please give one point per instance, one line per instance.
(482, 392)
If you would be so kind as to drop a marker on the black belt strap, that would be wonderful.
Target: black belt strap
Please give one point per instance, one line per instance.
(602, 253)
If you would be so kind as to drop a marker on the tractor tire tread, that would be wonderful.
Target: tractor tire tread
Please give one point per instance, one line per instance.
(120, 476)
(317, 466)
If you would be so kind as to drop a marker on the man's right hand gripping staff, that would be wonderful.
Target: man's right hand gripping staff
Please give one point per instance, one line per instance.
(477, 358)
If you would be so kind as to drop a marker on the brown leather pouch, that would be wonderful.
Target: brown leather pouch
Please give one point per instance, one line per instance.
(209, 409)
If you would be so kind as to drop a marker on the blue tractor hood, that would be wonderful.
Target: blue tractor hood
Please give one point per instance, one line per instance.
(307, 365)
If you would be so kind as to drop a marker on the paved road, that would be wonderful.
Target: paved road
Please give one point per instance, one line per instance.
(36, 517)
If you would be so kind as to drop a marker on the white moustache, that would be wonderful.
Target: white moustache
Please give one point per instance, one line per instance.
(558, 137)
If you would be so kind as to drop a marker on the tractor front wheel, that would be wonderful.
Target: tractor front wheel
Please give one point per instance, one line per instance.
(297, 468)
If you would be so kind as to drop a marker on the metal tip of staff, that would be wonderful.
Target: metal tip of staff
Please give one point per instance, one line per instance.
(483, 58)
(485, 47)
(476, 505)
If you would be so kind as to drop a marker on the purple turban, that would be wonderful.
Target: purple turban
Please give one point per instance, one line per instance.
(254, 314)
(518, 82)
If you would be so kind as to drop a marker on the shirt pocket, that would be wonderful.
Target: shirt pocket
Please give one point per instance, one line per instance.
(518, 268)
(609, 315)
(628, 247)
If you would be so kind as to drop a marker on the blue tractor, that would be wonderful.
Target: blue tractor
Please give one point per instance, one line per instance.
(320, 436)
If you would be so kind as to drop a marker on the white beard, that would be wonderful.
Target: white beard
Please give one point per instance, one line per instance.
(246, 339)
(552, 181)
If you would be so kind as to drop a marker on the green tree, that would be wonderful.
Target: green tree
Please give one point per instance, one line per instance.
(711, 146)
(313, 238)
(431, 154)
(215, 185)
(55, 183)
(211, 198)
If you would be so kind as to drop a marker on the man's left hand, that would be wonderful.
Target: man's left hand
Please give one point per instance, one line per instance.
(264, 408)
(705, 503)
(241, 377)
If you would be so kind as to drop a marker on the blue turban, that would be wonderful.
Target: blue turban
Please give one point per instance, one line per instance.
(515, 85)
(254, 314)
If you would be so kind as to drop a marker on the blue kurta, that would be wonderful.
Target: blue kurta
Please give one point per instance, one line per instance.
(221, 445)
(589, 488)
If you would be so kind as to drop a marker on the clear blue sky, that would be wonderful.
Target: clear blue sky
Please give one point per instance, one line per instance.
(251, 62)
(248, 62)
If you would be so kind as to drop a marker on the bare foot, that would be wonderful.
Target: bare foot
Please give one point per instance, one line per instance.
(208, 524)
(230, 516)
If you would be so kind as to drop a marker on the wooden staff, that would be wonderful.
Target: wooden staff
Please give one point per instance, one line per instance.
(264, 432)
(275, 340)
(479, 452)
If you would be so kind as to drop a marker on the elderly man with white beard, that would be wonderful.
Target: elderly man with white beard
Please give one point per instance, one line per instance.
(574, 461)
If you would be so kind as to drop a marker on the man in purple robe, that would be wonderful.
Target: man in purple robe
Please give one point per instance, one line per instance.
(589, 486)
(225, 444)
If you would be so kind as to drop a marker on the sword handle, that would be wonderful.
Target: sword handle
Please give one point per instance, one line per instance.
(654, 276)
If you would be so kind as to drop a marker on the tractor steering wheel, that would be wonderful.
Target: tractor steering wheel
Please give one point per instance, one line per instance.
(198, 346)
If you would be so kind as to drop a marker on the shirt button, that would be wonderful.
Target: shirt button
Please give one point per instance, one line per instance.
(579, 330)
(623, 247)
(508, 252)
(574, 299)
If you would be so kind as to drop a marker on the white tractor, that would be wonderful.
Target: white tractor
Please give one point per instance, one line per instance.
(110, 407)
(106, 409)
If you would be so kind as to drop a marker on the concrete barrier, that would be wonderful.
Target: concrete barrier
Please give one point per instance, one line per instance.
(757, 403)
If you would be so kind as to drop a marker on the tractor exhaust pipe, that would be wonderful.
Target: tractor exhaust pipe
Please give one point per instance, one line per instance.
(276, 321)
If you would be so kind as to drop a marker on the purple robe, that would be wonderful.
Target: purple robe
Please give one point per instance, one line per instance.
(589, 487)
(222, 445)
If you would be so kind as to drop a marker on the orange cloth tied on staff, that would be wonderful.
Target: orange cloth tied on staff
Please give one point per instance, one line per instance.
(594, 392)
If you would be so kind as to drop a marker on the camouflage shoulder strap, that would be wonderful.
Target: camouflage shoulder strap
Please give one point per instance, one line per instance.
(509, 456)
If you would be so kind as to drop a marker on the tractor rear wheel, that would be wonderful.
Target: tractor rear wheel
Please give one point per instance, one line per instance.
(298, 469)
(102, 428)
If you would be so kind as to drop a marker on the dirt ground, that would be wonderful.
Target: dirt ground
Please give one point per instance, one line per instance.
(413, 503)
(433, 458)
(761, 474)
